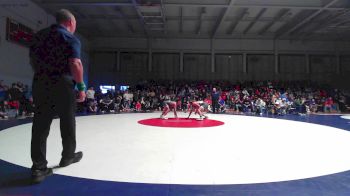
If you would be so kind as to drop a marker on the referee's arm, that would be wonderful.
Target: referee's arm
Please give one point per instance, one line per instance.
(77, 70)
(76, 66)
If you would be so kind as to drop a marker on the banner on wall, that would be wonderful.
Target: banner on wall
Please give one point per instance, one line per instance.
(18, 33)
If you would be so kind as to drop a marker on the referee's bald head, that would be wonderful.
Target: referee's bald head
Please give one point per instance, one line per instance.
(66, 18)
(64, 15)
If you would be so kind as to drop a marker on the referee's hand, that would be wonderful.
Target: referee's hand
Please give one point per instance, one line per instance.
(81, 96)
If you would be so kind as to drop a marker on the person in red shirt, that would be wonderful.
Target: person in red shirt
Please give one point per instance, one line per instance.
(138, 106)
(224, 95)
(328, 105)
(323, 93)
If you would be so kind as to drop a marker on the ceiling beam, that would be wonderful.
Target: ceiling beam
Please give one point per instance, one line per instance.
(307, 19)
(311, 28)
(321, 37)
(97, 3)
(87, 3)
(97, 27)
(253, 22)
(164, 17)
(321, 18)
(316, 7)
(125, 19)
(77, 13)
(141, 19)
(235, 23)
(110, 21)
(222, 18)
(329, 20)
(199, 26)
(340, 24)
(279, 15)
(184, 35)
(184, 18)
(181, 21)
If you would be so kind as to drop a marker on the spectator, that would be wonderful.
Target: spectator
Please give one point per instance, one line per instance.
(260, 106)
(3, 97)
(90, 94)
(3, 100)
(92, 106)
(13, 95)
(118, 102)
(128, 96)
(106, 104)
(299, 105)
(247, 108)
(313, 106)
(328, 105)
(138, 106)
(238, 104)
(222, 105)
(3, 116)
(146, 107)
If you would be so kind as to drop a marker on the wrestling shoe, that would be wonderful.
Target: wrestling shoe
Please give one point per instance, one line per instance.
(77, 157)
(38, 175)
(4, 118)
(163, 117)
(200, 118)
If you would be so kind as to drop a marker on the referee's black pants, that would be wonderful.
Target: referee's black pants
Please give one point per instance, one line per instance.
(215, 104)
(52, 97)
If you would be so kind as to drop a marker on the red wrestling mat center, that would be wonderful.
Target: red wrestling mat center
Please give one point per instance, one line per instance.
(180, 122)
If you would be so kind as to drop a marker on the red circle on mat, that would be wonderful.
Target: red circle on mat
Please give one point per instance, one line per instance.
(181, 122)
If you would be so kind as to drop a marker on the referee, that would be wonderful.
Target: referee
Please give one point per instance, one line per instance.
(55, 59)
(215, 95)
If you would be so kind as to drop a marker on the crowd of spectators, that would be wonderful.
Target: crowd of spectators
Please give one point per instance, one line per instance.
(15, 101)
(249, 97)
(275, 98)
